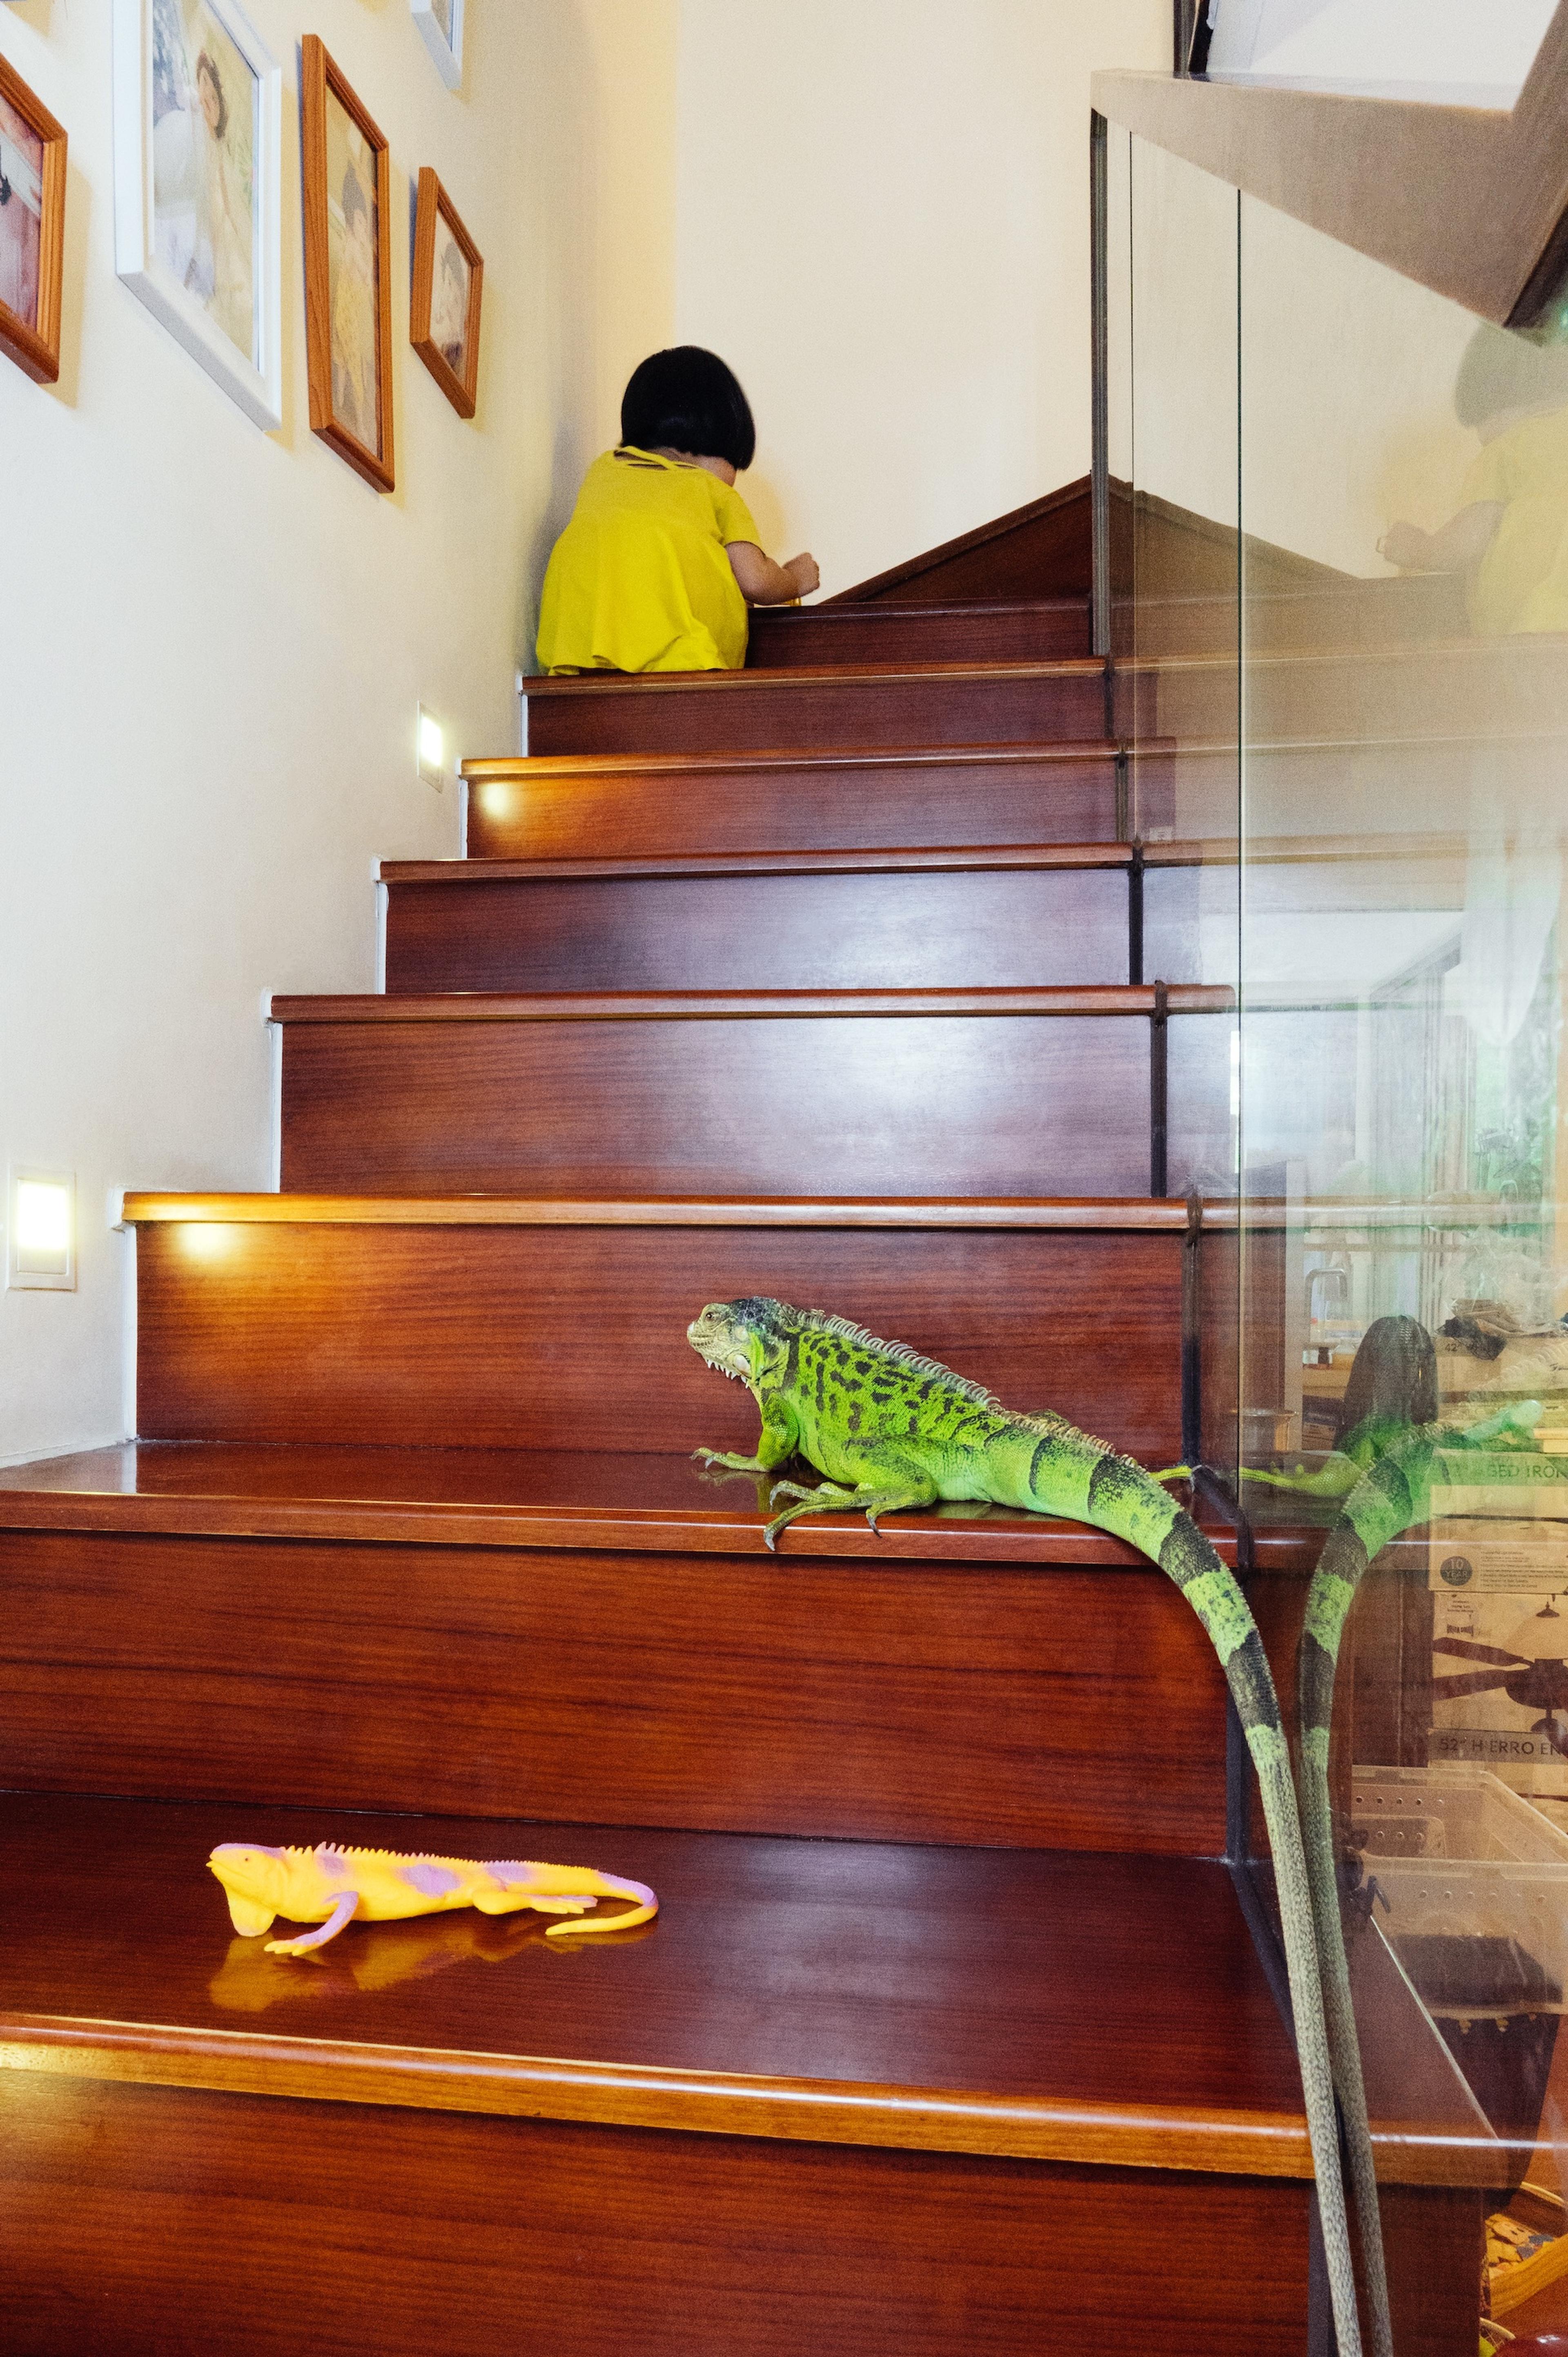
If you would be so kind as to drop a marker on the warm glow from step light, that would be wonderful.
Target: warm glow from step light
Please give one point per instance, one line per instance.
(206, 1239)
(41, 1251)
(432, 750)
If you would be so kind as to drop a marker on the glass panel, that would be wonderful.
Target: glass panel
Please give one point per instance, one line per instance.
(1175, 636)
(1404, 753)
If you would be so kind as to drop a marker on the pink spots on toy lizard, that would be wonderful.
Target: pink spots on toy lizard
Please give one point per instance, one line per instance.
(423, 1874)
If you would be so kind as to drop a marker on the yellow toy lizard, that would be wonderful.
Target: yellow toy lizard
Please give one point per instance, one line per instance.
(331, 1886)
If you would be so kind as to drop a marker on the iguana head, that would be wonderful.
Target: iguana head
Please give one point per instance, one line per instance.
(744, 1340)
(254, 1880)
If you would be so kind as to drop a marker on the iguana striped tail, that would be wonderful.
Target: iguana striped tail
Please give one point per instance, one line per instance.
(1122, 1498)
(1385, 1501)
(1395, 1493)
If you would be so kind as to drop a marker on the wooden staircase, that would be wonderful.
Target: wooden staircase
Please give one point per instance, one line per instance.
(850, 979)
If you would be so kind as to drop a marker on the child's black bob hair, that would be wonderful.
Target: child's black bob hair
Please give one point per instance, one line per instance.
(685, 399)
(1502, 371)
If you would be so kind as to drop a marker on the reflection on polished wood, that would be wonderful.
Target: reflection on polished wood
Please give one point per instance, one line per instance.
(887, 1976)
(785, 1990)
(662, 804)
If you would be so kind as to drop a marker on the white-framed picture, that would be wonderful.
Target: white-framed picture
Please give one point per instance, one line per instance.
(197, 163)
(441, 22)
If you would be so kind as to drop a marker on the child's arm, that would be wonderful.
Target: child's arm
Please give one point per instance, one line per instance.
(763, 583)
(1458, 547)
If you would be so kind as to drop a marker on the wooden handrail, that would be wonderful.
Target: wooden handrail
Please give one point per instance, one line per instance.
(1469, 200)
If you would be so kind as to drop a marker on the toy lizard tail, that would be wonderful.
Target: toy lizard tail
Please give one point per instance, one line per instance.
(607, 1885)
(1120, 1497)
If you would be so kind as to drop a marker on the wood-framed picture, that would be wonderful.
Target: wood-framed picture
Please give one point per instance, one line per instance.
(441, 22)
(348, 270)
(448, 281)
(198, 187)
(32, 229)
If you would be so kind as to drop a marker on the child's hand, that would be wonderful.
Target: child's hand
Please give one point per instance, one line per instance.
(803, 573)
(1406, 545)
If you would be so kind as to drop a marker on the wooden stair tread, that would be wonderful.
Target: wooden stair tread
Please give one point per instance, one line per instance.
(782, 1992)
(516, 1498)
(763, 1005)
(946, 1999)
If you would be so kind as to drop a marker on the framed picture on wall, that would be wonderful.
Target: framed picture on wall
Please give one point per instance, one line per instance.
(348, 270)
(448, 281)
(441, 22)
(197, 187)
(32, 229)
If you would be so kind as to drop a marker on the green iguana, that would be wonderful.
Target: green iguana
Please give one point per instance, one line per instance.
(1389, 1497)
(1383, 1468)
(888, 1429)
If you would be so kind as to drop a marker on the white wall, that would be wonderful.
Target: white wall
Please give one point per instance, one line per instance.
(214, 640)
(883, 225)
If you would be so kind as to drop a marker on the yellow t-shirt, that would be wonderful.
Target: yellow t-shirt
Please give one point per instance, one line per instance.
(639, 580)
(1521, 583)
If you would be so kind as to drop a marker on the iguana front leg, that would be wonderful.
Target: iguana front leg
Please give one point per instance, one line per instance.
(775, 1445)
(908, 1487)
(343, 1905)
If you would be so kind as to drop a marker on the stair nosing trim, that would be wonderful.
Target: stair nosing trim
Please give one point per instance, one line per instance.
(811, 676)
(1116, 1000)
(491, 769)
(1067, 858)
(910, 609)
(1114, 1214)
(1255, 2143)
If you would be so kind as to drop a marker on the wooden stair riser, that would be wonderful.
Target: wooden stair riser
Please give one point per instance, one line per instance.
(859, 1104)
(1478, 692)
(527, 809)
(943, 929)
(574, 1338)
(1024, 1704)
(728, 712)
(1044, 549)
(444, 2231)
(1354, 616)
(1051, 631)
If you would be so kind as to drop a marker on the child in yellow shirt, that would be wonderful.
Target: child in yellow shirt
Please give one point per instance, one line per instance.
(661, 559)
(1509, 537)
